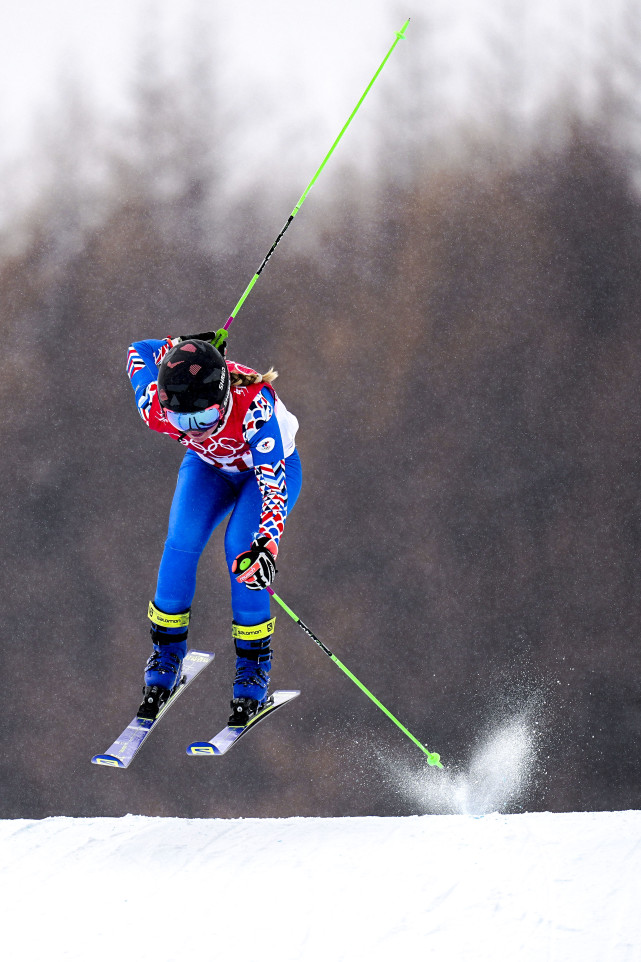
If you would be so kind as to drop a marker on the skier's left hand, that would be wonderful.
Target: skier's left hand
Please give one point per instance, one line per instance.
(256, 568)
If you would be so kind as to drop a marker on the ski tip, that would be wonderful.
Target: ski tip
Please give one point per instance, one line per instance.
(202, 748)
(109, 760)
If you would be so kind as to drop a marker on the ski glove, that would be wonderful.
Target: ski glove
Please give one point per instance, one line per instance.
(256, 568)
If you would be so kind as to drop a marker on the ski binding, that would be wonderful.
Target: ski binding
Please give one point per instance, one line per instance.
(129, 743)
(229, 735)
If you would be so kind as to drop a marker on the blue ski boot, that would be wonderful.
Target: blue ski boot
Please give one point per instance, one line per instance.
(163, 670)
(253, 664)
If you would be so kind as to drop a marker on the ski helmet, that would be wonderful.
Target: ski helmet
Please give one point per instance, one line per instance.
(193, 376)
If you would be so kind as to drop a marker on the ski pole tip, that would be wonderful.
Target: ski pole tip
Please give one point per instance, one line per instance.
(400, 34)
(434, 759)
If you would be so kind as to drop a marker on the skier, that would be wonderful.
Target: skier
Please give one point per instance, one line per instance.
(241, 458)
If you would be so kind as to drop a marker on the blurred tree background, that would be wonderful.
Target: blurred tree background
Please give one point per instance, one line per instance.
(457, 329)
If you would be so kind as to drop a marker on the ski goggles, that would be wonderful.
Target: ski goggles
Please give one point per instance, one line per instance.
(196, 421)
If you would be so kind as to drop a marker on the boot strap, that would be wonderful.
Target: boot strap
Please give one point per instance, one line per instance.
(164, 620)
(253, 633)
(252, 641)
(160, 637)
(165, 627)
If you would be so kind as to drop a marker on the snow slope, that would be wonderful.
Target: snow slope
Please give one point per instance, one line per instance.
(502, 888)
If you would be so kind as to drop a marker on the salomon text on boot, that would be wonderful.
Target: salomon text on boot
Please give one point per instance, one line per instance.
(163, 671)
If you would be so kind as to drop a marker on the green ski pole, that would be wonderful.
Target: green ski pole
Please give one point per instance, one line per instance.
(222, 333)
(433, 758)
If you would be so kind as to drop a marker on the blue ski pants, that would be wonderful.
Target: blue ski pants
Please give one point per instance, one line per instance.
(204, 497)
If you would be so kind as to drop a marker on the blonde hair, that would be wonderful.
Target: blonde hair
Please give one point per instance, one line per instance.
(239, 379)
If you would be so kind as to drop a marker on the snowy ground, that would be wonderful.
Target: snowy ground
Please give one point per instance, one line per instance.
(502, 888)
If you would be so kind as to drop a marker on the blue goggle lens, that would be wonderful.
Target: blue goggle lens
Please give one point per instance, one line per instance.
(200, 421)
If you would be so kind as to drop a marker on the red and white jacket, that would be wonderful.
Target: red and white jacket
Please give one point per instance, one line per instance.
(257, 434)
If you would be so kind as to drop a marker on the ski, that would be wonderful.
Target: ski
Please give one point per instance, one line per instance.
(129, 743)
(229, 735)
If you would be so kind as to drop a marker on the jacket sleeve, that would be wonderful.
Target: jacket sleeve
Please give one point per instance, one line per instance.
(262, 433)
(273, 488)
(143, 358)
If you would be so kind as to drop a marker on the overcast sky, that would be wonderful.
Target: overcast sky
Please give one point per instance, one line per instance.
(288, 50)
(299, 66)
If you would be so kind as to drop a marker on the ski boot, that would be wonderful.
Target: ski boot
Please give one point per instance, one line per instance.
(253, 664)
(164, 666)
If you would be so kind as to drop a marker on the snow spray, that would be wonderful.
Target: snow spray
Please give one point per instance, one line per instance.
(497, 776)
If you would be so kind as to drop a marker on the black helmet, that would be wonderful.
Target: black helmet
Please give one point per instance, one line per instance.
(192, 376)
